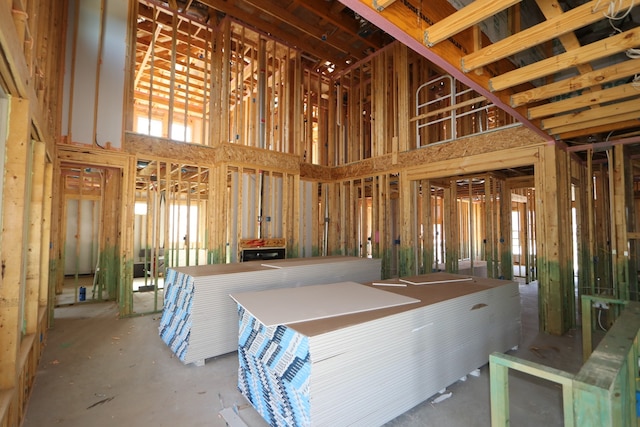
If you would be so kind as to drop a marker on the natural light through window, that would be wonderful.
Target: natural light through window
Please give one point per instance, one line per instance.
(153, 127)
(180, 133)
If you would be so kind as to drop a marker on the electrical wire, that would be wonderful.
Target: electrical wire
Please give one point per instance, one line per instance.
(600, 320)
(613, 14)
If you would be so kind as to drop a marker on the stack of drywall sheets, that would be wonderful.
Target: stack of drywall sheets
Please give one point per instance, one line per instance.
(366, 368)
(200, 321)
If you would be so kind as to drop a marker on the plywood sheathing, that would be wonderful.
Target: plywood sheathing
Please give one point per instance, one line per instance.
(222, 153)
(315, 172)
(498, 142)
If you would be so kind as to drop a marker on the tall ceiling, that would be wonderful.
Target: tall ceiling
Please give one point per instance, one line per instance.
(567, 69)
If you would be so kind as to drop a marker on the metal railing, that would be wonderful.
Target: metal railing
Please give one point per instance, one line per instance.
(444, 113)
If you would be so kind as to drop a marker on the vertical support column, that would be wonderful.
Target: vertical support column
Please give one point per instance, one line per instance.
(343, 229)
(589, 197)
(45, 296)
(32, 297)
(556, 304)
(124, 227)
(489, 234)
(428, 249)
(13, 239)
(379, 106)
(295, 217)
(506, 259)
(332, 118)
(364, 220)
(384, 224)
(499, 388)
(401, 63)
(452, 252)
(620, 201)
(408, 198)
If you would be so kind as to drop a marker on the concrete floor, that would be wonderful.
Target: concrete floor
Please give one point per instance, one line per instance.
(98, 370)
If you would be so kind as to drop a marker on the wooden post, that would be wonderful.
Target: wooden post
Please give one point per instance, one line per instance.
(489, 235)
(499, 389)
(427, 227)
(556, 307)
(622, 200)
(13, 239)
(401, 64)
(452, 234)
(124, 226)
(506, 259)
(33, 255)
(408, 199)
(589, 197)
(45, 296)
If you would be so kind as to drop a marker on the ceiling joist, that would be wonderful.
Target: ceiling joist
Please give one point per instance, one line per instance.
(561, 24)
(475, 12)
(591, 52)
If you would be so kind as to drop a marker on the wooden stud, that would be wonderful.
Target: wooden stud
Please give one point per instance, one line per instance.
(45, 296)
(33, 255)
(13, 239)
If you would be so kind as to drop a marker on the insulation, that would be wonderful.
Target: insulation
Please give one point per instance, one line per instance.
(199, 319)
(369, 367)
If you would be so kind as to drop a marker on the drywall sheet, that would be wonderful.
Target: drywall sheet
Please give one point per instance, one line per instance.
(367, 368)
(293, 305)
(200, 320)
(274, 371)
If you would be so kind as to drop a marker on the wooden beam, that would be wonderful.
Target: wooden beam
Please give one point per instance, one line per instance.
(600, 76)
(342, 21)
(584, 101)
(550, 9)
(324, 51)
(474, 13)
(600, 49)
(604, 128)
(556, 26)
(621, 108)
(604, 123)
(379, 5)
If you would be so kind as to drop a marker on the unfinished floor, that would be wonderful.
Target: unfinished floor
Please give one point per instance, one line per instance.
(100, 370)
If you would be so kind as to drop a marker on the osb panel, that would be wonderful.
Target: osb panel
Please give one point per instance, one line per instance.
(480, 144)
(151, 146)
(315, 172)
(367, 167)
(257, 157)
